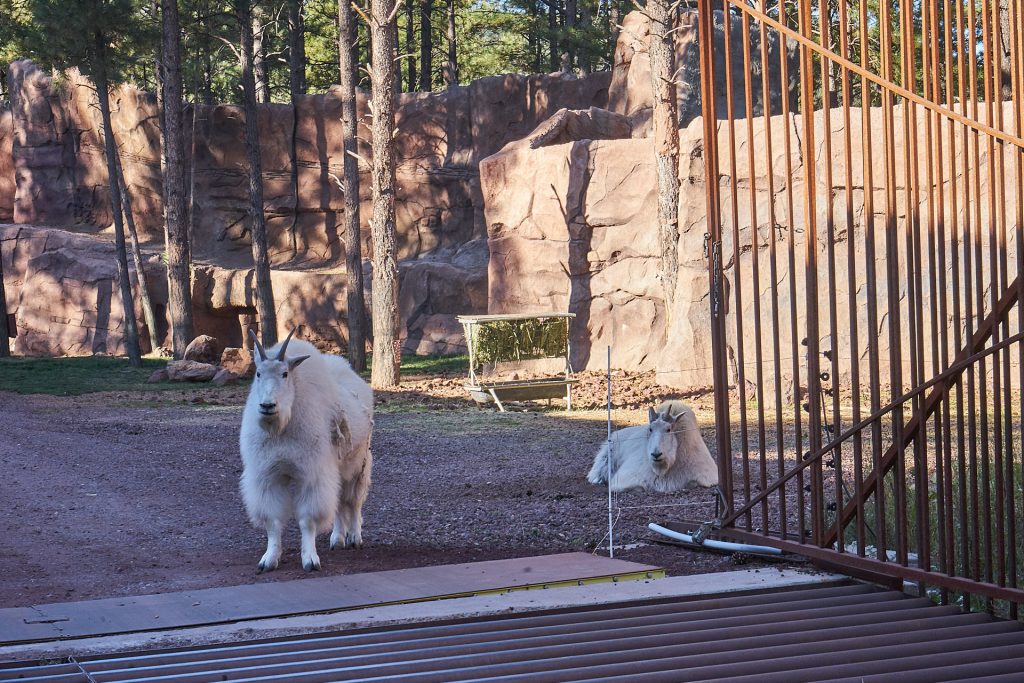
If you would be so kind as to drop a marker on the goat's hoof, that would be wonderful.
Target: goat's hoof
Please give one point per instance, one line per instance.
(265, 567)
(311, 565)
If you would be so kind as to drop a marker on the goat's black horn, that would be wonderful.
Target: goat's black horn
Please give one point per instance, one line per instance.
(256, 345)
(284, 346)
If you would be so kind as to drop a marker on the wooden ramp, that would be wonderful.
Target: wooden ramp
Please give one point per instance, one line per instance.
(59, 621)
(847, 632)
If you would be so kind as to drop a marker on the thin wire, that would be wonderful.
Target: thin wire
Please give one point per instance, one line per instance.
(611, 522)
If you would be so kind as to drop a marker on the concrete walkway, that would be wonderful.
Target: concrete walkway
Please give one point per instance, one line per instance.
(631, 584)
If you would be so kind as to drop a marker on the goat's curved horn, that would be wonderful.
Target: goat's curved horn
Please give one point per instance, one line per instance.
(256, 345)
(284, 346)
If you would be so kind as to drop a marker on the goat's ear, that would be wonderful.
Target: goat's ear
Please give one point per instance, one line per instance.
(651, 415)
(294, 362)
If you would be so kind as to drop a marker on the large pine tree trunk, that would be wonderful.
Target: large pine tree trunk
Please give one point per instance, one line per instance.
(259, 57)
(296, 49)
(131, 331)
(350, 225)
(553, 34)
(382, 223)
(140, 271)
(451, 67)
(258, 225)
(426, 45)
(410, 45)
(296, 88)
(666, 141)
(176, 233)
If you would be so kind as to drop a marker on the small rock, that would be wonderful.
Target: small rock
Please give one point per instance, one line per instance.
(224, 377)
(190, 371)
(159, 376)
(203, 349)
(238, 361)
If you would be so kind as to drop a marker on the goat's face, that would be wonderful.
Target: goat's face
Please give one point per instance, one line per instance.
(273, 387)
(661, 441)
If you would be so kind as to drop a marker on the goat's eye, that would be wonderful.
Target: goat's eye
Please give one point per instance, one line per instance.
(257, 374)
(285, 374)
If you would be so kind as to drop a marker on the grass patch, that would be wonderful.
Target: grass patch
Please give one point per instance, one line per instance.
(79, 375)
(428, 365)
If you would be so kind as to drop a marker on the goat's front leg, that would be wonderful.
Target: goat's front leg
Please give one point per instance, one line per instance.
(272, 557)
(310, 560)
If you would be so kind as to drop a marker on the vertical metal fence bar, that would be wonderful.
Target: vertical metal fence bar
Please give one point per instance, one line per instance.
(911, 229)
(963, 307)
(773, 267)
(853, 308)
(827, 84)
(1017, 74)
(893, 307)
(737, 285)
(870, 261)
(971, 251)
(1001, 364)
(922, 479)
(937, 283)
(955, 45)
(794, 331)
(755, 258)
(705, 29)
(984, 232)
(811, 267)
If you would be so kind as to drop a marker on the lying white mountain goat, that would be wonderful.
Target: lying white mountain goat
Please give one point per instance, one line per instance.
(667, 454)
(305, 443)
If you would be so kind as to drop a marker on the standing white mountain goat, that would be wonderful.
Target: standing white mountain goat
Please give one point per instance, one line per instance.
(667, 454)
(305, 444)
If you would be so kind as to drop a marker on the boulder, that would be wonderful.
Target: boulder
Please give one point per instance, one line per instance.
(203, 349)
(238, 362)
(190, 371)
(160, 375)
(224, 377)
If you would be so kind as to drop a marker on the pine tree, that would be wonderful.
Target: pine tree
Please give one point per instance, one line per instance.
(82, 33)
(258, 224)
(176, 226)
(666, 140)
(353, 246)
(383, 30)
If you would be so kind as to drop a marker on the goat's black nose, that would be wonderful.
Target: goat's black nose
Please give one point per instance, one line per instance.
(656, 455)
(268, 406)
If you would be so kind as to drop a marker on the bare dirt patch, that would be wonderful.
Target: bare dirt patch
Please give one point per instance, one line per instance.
(122, 493)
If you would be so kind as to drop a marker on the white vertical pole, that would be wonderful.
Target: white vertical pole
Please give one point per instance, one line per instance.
(611, 540)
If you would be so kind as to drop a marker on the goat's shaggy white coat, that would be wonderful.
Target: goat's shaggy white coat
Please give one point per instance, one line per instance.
(305, 444)
(667, 454)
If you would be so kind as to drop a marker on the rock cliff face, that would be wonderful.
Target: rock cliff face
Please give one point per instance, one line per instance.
(52, 174)
(563, 166)
(572, 226)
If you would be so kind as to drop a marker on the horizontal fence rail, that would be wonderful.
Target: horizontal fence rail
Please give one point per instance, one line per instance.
(865, 165)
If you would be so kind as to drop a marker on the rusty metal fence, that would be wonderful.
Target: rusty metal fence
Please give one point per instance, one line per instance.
(866, 291)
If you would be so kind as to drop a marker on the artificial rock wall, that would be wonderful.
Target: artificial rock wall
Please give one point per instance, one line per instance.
(568, 225)
(52, 173)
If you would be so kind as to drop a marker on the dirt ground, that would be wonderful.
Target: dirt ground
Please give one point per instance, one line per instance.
(115, 494)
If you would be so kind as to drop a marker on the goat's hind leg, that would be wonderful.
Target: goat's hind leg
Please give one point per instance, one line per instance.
(348, 524)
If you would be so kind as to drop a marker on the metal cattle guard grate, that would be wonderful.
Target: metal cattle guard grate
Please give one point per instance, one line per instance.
(848, 631)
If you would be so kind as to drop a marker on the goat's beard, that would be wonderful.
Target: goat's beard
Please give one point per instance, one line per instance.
(275, 424)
